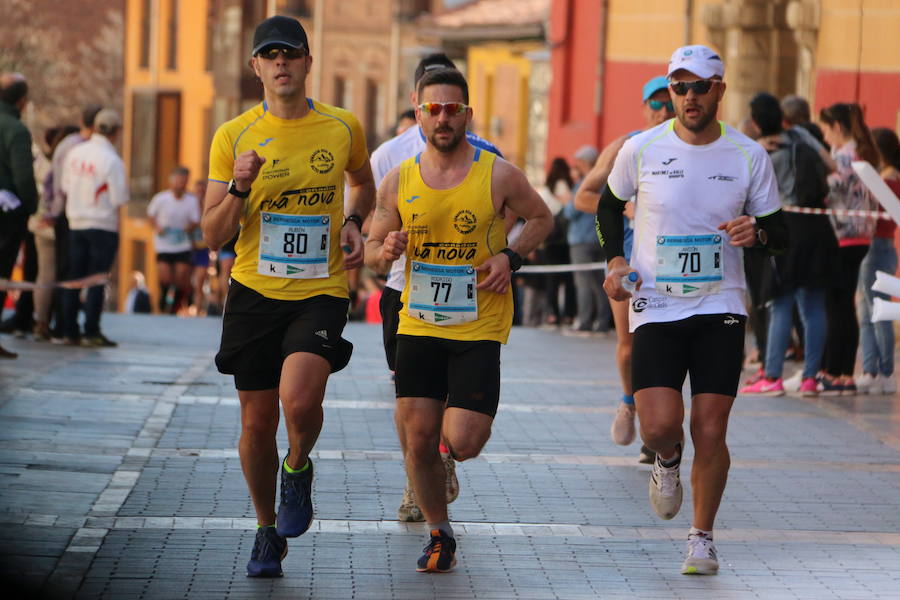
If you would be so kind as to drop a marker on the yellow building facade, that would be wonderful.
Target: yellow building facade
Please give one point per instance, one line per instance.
(167, 122)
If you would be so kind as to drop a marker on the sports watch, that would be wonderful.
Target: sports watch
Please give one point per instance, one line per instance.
(232, 189)
(515, 261)
(761, 236)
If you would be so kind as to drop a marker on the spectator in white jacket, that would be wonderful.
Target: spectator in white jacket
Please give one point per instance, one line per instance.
(95, 187)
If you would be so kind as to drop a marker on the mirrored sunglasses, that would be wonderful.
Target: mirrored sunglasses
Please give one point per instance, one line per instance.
(658, 104)
(435, 108)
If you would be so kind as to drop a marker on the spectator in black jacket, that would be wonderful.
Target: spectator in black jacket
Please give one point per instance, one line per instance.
(18, 192)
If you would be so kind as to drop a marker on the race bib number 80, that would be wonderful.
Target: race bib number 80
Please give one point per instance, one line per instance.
(442, 294)
(688, 265)
(294, 246)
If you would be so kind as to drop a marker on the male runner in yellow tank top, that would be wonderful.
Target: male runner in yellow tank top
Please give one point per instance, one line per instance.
(278, 171)
(443, 209)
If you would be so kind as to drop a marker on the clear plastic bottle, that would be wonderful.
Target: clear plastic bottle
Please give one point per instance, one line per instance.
(629, 282)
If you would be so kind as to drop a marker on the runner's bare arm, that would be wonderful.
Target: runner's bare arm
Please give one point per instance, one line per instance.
(589, 191)
(222, 211)
(362, 191)
(512, 192)
(387, 241)
(509, 186)
(358, 202)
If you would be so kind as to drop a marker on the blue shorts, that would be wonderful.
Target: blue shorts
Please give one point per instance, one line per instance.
(200, 258)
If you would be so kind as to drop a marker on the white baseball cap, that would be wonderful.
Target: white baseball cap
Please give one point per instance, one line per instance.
(699, 60)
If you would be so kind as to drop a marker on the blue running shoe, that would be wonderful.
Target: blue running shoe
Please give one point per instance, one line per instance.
(295, 514)
(440, 554)
(269, 550)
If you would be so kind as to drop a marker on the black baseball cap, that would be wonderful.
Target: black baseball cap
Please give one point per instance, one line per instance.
(279, 31)
(431, 62)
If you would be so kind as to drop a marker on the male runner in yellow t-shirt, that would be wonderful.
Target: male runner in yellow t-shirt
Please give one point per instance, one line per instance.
(444, 209)
(278, 171)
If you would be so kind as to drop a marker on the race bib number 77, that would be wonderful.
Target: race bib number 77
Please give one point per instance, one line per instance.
(442, 294)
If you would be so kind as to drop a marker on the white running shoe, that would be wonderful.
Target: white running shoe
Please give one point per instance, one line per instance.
(409, 511)
(665, 488)
(622, 429)
(868, 384)
(792, 383)
(888, 384)
(701, 556)
(452, 483)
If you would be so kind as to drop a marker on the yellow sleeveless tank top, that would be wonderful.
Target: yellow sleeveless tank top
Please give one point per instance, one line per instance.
(450, 233)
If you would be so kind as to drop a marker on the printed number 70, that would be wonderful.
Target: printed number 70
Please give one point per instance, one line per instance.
(437, 285)
(694, 258)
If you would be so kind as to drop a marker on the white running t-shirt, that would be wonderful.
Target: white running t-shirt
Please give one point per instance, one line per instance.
(682, 194)
(175, 216)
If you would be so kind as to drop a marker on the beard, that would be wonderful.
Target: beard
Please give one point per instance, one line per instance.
(703, 120)
(448, 145)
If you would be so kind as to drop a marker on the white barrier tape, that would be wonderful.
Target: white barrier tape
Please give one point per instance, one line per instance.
(594, 266)
(838, 212)
(72, 284)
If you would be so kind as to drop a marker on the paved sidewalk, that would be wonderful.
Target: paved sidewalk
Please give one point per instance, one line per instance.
(119, 479)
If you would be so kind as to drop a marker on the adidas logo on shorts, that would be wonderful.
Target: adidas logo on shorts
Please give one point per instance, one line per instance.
(322, 334)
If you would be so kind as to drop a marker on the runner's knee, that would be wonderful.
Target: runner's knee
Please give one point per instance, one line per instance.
(655, 433)
(465, 449)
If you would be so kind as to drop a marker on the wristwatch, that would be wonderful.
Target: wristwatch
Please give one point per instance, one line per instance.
(232, 189)
(353, 219)
(762, 237)
(515, 261)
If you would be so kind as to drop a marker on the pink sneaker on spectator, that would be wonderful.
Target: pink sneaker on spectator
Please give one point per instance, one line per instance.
(764, 387)
(809, 388)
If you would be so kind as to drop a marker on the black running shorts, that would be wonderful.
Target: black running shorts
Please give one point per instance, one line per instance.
(709, 347)
(174, 257)
(466, 373)
(258, 333)
(390, 307)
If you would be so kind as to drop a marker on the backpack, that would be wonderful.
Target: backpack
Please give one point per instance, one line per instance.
(810, 174)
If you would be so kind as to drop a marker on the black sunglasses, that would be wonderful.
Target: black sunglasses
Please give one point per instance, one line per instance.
(272, 52)
(700, 87)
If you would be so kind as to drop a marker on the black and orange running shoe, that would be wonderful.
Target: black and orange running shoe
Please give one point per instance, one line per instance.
(440, 554)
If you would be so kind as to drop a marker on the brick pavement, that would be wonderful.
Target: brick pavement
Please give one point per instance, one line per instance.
(119, 479)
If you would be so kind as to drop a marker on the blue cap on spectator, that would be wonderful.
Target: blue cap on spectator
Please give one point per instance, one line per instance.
(653, 86)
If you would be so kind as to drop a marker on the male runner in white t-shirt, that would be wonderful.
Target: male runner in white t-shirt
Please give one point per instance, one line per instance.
(698, 186)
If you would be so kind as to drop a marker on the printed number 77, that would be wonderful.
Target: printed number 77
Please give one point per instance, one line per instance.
(437, 285)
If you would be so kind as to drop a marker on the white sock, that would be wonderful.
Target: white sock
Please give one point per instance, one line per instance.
(443, 526)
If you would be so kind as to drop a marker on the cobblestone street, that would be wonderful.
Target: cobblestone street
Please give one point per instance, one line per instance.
(120, 479)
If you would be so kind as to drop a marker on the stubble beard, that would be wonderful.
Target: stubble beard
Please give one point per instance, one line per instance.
(450, 145)
(706, 117)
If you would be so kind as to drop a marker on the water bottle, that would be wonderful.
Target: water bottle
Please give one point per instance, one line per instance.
(629, 282)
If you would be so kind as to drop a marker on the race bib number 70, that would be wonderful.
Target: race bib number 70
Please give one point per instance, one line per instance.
(688, 265)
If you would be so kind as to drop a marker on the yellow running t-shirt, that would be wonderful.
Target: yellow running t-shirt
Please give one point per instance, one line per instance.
(289, 245)
(450, 233)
